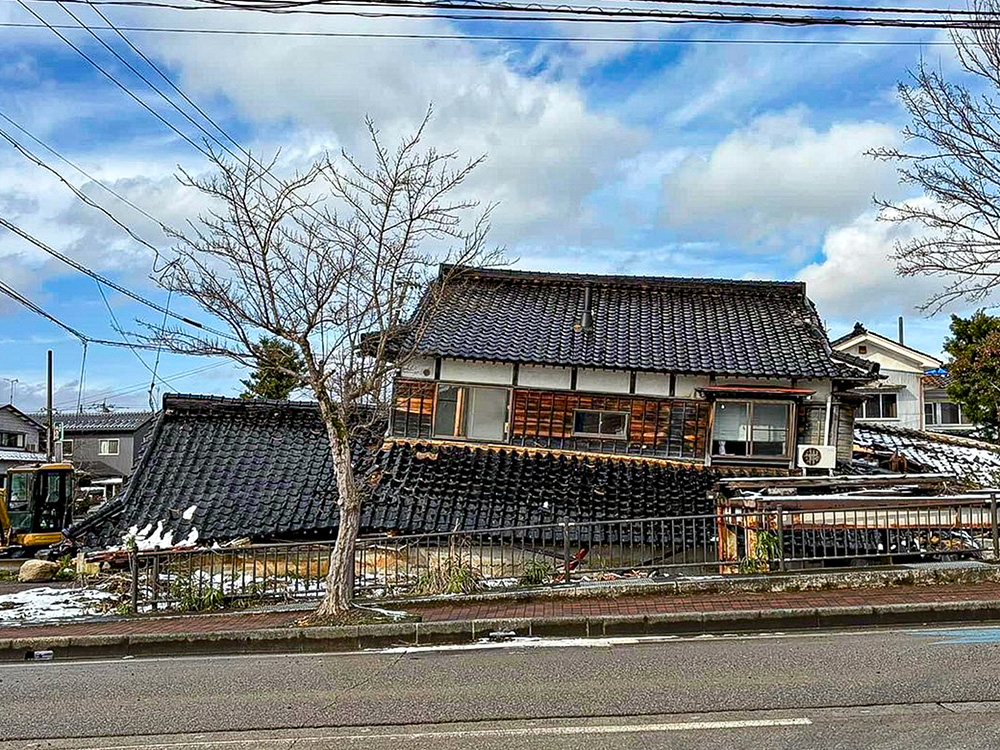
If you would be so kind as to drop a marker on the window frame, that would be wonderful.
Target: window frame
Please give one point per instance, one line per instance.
(462, 411)
(109, 452)
(603, 435)
(791, 410)
(880, 395)
(937, 421)
(20, 440)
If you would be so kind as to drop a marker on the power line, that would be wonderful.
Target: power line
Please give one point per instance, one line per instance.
(103, 279)
(480, 37)
(149, 83)
(167, 78)
(139, 387)
(121, 332)
(75, 166)
(5, 135)
(24, 301)
(476, 10)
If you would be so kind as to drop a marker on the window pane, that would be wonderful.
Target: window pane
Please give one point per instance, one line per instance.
(613, 424)
(487, 413)
(872, 407)
(447, 411)
(730, 432)
(929, 417)
(770, 429)
(587, 422)
(888, 406)
(949, 413)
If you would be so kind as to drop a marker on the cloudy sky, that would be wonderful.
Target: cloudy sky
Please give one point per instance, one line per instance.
(694, 151)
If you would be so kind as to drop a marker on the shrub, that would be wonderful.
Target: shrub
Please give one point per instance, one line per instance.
(535, 573)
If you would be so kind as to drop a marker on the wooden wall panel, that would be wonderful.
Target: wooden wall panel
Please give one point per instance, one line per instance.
(665, 427)
(413, 412)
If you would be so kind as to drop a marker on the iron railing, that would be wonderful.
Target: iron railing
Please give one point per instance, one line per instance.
(742, 536)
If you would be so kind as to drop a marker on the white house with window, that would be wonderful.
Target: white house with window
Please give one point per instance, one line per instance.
(914, 393)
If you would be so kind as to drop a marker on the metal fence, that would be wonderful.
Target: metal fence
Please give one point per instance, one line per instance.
(743, 536)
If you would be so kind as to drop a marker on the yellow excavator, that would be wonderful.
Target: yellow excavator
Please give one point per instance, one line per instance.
(35, 508)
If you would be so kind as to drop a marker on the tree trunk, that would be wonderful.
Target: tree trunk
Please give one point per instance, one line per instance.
(340, 578)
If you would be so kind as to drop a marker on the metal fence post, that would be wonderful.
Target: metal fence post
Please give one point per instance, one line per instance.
(133, 558)
(566, 556)
(781, 538)
(155, 583)
(995, 526)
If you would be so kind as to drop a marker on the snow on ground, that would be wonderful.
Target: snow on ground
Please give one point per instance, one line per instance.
(47, 604)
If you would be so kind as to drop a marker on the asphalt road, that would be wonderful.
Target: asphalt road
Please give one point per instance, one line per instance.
(888, 689)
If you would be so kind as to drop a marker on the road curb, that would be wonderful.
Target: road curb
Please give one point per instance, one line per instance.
(355, 638)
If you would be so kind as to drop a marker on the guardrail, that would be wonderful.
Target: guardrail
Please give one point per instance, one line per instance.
(750, 535)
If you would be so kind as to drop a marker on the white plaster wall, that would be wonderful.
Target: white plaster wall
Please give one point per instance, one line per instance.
(535, 376)
(605, 381)
(773, 383)
(909, 401)
(418, 368)
(685, 385)
(477, 372)
(652, 384)
(889, 360)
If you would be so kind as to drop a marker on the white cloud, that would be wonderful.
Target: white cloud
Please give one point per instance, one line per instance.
(778, 176)
(856, 277)
(547, 148)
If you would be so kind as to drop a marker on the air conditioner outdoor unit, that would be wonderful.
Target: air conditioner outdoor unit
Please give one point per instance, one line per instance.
(817, 456)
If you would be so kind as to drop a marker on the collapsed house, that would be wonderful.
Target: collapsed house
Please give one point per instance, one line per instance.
(891, 449)
(535, 398)
(218, 469)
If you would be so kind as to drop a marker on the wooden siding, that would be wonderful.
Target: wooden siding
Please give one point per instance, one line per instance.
(662, 427)
(413, 415)
(672, 428)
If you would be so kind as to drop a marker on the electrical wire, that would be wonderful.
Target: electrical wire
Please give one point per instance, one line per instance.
(121, 392)
(24, 301)
(103, 279)
(482, 37)
(476, 10)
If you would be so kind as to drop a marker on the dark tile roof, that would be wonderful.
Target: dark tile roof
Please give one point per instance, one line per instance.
(34, 421)
(103, 421)
(263, 470)
(740, 328)
(969, 460)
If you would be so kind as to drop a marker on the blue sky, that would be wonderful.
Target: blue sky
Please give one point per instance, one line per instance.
(692, 158)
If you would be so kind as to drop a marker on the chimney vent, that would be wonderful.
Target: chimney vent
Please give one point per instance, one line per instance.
(586, 323)
(900, 329)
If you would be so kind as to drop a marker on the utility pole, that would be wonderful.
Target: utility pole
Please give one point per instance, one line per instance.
(50, 443)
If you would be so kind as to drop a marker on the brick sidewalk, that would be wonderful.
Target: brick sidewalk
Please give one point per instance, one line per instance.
(548, 607)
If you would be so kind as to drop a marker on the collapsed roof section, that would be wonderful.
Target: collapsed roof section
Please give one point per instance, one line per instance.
(881, 447)
(217, 469)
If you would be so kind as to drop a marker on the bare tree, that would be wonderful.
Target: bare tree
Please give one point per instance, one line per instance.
(953, 156)
(335, 261)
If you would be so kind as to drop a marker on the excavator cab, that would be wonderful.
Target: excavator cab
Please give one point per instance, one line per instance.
(37, 506)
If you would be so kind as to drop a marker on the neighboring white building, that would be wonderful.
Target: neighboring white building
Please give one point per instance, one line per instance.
(913, 393)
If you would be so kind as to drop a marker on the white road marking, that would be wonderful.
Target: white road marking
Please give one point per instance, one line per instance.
(681, 726)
